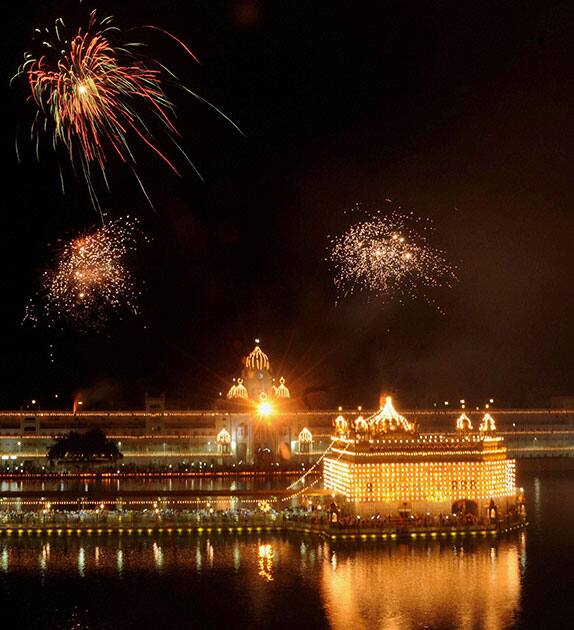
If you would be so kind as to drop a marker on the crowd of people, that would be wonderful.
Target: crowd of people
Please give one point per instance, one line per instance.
(146, 517)
(320, 516)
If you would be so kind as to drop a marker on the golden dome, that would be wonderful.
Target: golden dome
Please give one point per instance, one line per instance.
(257, 360)
(305, 436)
(239, 391)
(487, 424)
(463, 423)
(282, 391)
(223, 437)
(387, 419)
(361, 425)
(341, 425)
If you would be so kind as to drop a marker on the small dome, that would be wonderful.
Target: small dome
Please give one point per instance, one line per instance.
(223, 437)
(257, 359)
(282, 391)
(240, 391)
(487, 424)
(305, 436)
(361, 425)
(463, 423)
(387, 419)
(341, 424)
(231, 392)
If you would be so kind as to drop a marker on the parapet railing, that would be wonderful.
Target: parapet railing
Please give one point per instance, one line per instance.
(193, 521)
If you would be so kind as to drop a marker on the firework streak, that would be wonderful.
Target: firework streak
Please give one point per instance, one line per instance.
(95, 93)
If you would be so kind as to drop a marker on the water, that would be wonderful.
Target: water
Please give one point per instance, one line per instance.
(116, 484)
(185, 581)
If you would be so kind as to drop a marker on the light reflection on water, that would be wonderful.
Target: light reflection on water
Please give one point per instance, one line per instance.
(112, 484)
(264, 581)
(437, 585)
(390, 586)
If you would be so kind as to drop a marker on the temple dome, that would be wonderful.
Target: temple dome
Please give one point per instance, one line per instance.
(282, 391)
(463, 423)
(341, 424)
(487, 424)
(257, 359)
(238, 391)
(223, 437)
(388, 419)
(361, 425)
(305, 436)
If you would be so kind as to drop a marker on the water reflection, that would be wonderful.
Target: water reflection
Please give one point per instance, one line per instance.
(117, 484)
(408, 586)
(236, 557)
(265, 565)
(81, 562)
(537, 500)
(516, 581)
(390, 586)
(120, 562)
(158, 557)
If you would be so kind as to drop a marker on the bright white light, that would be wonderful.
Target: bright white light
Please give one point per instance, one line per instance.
(264, 409)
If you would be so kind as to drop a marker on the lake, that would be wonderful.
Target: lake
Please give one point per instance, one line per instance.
(209, 581)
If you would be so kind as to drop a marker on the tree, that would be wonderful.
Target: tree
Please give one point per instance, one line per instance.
(89, 447)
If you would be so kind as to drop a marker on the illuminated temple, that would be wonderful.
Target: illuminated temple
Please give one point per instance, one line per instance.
(262, 419)
(384, 464)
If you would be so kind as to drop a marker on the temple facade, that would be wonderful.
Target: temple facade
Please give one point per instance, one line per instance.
(261, 426)
(383, 464)
(260, 419)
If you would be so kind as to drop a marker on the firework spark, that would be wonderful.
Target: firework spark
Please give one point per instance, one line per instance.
(387, 257)
(94, 93)
(90, 280)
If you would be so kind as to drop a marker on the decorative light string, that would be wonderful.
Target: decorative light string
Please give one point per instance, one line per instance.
(315, 482)
(301, 490)
(304, 475)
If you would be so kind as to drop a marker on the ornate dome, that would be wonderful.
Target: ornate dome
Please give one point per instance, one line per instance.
(282, 391)
(384, 421)
(361, 425)
(257, 360)
(239, 391)
(305, 436)
(463, 423)
(341, 425)
(223, 437)
(387, 419)
(231, 392)
(487, 424)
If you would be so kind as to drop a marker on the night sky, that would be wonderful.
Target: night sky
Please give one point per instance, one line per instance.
(460, 111)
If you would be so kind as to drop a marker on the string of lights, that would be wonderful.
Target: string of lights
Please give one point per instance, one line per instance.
(313, 467)
(311, 485)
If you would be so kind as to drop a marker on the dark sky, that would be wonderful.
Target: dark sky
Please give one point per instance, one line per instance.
(460, 111)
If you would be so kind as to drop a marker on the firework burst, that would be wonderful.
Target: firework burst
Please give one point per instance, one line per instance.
(387, 256)
(94, 93)
(90, 280)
